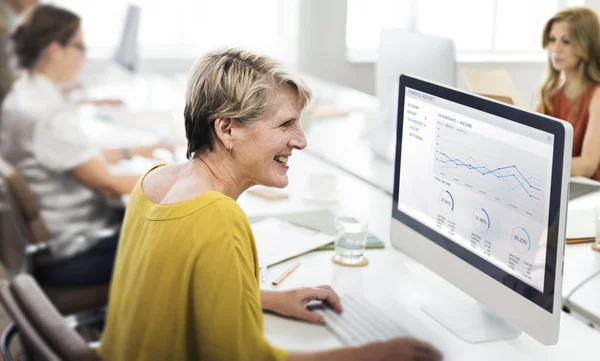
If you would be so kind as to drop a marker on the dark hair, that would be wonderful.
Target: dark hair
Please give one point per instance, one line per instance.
(42, 26)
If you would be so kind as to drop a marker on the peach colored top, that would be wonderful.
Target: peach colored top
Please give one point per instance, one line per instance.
(577, 112)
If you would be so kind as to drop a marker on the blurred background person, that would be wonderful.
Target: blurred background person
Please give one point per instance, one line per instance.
(572, 40)
(41, 136)
(10, 10)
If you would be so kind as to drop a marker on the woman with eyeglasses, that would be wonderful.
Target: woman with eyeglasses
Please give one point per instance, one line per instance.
(41, 136)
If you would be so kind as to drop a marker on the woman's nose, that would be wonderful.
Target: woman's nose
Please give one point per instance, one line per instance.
(298, 141)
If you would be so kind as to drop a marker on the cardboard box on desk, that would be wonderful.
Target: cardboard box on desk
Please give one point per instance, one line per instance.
(500, 98)
(495, 84)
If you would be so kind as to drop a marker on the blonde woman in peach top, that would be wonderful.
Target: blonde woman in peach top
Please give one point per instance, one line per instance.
(572, 39)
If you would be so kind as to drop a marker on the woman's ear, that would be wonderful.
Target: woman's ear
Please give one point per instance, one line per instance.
(52, 50)
(223, 131)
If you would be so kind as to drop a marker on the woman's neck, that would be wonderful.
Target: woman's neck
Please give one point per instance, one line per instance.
(47, 71)
(217, 172)
(574, 84)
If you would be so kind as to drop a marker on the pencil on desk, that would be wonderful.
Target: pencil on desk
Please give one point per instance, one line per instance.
(285, 274)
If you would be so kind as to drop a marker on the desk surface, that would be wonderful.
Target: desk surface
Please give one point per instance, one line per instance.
(350, 151)
(581, 262)
(586, 300)
(392, 280)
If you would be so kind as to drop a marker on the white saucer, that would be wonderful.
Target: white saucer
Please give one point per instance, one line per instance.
(332, 198)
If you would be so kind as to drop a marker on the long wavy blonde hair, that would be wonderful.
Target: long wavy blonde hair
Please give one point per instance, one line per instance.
(584, 35)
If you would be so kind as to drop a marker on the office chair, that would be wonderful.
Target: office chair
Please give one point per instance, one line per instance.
(44, 333)
(24, 243)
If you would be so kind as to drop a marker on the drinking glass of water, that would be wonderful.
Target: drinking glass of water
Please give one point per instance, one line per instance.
(350, 241)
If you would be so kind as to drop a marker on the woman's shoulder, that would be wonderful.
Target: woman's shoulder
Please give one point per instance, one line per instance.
(557, 96)
(33, 97)
(593, 87)
(168, 186)
(224, 211)
(594, 94)
(220, 218)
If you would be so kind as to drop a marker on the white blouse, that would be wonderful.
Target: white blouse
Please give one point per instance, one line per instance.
(41, 136)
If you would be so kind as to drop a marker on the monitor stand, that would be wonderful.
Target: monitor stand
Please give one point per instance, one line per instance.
(471, 322)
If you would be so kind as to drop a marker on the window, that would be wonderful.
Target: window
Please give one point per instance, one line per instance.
(183, 28)
(492, 27)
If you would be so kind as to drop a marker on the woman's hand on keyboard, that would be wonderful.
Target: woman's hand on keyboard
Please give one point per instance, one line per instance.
(291, 303)
(404, 349)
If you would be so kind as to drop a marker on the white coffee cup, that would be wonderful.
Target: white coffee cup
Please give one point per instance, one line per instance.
(321, 185)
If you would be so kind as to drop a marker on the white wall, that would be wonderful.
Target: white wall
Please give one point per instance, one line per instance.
(593, 4)
(322, 53)
(322, 45)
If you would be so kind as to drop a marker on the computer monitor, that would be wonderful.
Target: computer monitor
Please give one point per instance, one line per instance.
(406, 52)
(127, 53)
(480, 198)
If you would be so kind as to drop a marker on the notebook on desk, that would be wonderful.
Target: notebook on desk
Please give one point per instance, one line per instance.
(278, 240)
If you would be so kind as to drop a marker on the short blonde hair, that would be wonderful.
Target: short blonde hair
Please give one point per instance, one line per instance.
(233, 83)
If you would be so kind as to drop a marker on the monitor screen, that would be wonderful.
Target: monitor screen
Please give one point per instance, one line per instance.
(479, 185)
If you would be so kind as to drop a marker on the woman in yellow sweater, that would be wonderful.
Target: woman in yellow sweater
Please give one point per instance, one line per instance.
(185, 284)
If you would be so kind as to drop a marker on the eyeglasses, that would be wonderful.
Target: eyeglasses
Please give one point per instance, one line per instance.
(79, 46)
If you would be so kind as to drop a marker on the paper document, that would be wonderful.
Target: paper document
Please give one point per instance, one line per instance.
(278, 240)
(581, 223)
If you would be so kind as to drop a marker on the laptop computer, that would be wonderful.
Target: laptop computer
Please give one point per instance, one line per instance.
(578, 189)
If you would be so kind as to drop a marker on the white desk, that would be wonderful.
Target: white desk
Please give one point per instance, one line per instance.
(392, 280)
(581, 282)
(351, 153)
(349, 150)
(342, 141)
(581, 262)
(586, 300)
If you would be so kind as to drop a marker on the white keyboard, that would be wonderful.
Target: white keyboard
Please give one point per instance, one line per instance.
(360, 323)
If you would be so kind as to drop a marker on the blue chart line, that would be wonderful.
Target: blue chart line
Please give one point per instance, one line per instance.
(500, 173)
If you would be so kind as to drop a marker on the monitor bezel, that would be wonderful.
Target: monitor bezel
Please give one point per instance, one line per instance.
(545, 300)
